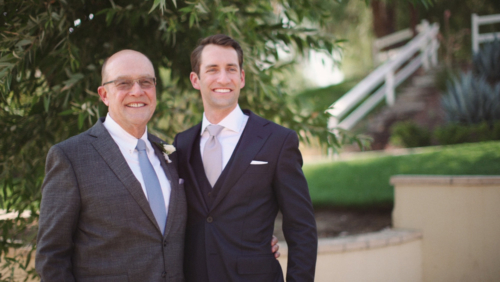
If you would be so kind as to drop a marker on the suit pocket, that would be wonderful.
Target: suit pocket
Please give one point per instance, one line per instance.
(104, 278)
(264, 168)
(256, 264)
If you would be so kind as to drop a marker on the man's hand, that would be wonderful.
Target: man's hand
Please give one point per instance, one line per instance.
(275, 247)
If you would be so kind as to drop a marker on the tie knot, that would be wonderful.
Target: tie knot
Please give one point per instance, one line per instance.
(214, 129)
(141, 145)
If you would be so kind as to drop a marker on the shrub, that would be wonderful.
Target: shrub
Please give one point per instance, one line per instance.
(471, 100)
(452, 134)
(460, 133)
(443, 75)
(410, 135)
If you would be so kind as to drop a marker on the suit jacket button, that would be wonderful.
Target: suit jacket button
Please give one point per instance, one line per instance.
(163, 274)
(210, 219)
(165, 243)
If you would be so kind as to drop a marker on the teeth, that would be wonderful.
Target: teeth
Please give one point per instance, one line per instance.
(222, 90)
(136, 105)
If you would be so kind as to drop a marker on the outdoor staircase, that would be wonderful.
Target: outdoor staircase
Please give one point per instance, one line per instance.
(381, 83)
(418, 100)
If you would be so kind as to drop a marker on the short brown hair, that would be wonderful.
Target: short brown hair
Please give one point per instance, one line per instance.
(218, 39)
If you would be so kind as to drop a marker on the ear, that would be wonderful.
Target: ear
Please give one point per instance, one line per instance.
(195, 80)
(103, 93)
(242, 79)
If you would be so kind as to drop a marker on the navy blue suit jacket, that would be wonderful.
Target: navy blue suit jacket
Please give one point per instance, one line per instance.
(228, 239)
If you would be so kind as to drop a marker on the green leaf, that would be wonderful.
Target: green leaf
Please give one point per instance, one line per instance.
(23, 42)
(109, 16)
(192, 19)
(155, 4)
(229, 9)
(186, 10)
(46, 103)
(67, 112)
(81, 119)
(74, 78)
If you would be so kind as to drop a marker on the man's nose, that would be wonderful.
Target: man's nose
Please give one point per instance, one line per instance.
(136, 88)
(223, 77)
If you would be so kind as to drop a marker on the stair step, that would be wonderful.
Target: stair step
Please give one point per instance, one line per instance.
(424, 81)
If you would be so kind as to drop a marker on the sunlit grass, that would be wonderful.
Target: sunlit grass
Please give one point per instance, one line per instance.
(321, 98)
(365, 183)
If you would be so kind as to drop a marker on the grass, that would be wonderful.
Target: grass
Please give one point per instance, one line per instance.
(365, 183)
(321, 98)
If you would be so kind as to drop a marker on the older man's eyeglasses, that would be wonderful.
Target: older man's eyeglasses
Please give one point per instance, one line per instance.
(127, 84)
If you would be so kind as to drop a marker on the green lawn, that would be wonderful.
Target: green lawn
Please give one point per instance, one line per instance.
(365, 183)
(320, 99)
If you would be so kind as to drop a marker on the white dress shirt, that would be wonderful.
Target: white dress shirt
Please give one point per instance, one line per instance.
(233, 124)
(127, 143)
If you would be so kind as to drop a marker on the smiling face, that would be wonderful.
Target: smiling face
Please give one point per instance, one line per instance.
(220, 79)
(133, 108)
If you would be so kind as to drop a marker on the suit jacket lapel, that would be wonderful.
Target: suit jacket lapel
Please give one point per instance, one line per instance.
(187, 145)
(251, 141)
(173, 179)
(109, 151)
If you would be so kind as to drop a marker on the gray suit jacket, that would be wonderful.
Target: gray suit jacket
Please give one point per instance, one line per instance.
(95, 221)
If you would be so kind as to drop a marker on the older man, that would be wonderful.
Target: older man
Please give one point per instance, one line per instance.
(113, 207)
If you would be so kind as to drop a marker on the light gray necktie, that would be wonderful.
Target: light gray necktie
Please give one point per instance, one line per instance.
(153, 188)
(212, 154)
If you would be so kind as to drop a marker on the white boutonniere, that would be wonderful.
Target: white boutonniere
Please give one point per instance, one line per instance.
(166, 149)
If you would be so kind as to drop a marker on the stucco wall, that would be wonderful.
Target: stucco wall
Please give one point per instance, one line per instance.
(386, 256)
(459, 217)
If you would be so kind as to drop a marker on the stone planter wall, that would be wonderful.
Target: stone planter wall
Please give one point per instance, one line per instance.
(445, 228)
(385, 256)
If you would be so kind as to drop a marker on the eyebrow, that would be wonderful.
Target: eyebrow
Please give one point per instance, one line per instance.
(128, 77)
(215, 65)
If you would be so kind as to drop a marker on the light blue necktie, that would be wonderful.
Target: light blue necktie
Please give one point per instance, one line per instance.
(153, 188)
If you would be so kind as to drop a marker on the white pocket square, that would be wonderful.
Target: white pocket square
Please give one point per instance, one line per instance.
(258, 163)
(181, 181)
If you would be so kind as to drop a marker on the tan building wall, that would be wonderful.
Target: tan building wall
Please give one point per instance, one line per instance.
(459, 217)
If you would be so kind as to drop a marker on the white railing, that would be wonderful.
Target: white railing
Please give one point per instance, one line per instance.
(381, 43)
(421, 50)
(485, 37)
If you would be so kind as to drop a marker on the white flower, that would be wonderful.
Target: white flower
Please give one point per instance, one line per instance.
(169, 149)
(166, 149)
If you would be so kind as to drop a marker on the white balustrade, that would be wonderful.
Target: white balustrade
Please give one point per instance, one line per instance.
(484, 37)
(421, 50)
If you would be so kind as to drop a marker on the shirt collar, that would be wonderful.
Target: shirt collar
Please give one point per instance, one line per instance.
(233, 121)
(126, 139)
